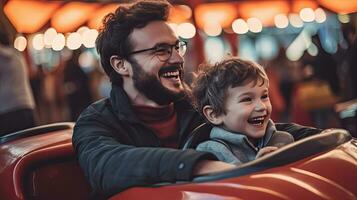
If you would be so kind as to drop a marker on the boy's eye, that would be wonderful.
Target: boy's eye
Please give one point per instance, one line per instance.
(265, 96)
(247, 99)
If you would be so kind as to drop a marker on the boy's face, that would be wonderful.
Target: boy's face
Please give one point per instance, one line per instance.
(248, 109)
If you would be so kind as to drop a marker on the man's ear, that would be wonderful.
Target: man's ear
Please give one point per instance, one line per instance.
(212, 116)
(119, 65)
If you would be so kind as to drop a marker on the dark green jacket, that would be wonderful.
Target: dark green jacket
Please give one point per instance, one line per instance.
(117, 151)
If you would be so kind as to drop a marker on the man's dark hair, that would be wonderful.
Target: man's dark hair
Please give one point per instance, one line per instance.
(113, 38)
(213, 82)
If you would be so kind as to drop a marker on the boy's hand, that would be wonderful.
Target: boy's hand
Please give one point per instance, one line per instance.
(266, 150)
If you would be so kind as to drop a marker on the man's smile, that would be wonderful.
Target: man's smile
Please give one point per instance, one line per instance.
(171, 74)
(173, 71)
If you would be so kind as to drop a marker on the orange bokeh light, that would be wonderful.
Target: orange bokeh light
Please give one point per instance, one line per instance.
(97, 17)
(29, 16)
(265, 11)
(71, 16)
(299, 5)
(342, 7)
(180, 14)
(222, 13)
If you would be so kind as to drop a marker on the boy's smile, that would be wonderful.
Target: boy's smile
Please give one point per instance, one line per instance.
(257, 121)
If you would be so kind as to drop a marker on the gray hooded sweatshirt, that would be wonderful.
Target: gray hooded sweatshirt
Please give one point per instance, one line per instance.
(235, 148)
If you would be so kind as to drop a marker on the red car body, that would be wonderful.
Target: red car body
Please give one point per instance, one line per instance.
(40, 164)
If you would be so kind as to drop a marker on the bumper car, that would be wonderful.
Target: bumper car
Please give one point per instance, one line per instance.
(39, 163)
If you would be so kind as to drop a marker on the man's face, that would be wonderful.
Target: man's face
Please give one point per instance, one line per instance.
(160, 81)
(248, 109)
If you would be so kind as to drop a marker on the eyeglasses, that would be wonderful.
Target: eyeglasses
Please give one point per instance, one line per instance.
(164, 51)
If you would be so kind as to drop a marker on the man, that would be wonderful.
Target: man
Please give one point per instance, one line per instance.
(132, 138)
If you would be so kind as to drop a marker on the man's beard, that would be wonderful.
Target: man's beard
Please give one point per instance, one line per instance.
(152, 88)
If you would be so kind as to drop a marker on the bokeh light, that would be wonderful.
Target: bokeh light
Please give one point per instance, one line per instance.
(266, 46)
(214, 49)
(89, 38)
(212, 29)
(343, 18)
(254, 25)
(58, 42)
(186, 30)
(239, 26)
(86, 61)
(81, 30)
(295, 20)
(74, 41)
(281, 21)
(37, 42)
(307, 14)
(49, 35)
(20, 43)
(320, 15)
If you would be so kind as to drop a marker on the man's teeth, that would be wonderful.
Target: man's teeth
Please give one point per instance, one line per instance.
(171, 74)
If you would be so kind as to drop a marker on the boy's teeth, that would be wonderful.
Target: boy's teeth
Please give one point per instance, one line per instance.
(256, 120)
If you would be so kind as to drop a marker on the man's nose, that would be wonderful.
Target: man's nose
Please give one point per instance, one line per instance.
(176, 57)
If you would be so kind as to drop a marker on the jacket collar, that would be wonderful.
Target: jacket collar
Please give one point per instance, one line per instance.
(241, 139)
(121, 104)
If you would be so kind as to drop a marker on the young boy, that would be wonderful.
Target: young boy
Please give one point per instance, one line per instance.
(233, 95)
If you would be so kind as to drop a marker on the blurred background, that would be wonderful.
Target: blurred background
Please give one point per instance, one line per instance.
(308, 48)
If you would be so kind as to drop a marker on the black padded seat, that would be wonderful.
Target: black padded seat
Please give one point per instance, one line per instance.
(198, 135)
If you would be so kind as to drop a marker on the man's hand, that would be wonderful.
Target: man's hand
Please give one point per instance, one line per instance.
(210, 166)
(266, 150)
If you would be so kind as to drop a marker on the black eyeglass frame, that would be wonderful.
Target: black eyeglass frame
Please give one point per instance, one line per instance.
(177, 45)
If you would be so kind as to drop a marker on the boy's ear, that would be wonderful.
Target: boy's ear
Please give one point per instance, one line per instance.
(212, 116)
(119, 65)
